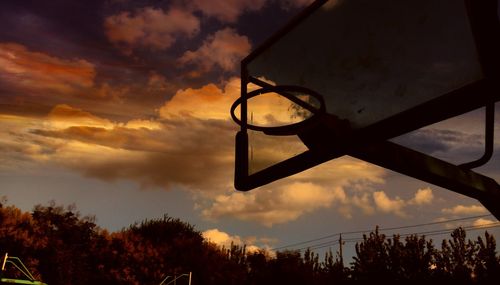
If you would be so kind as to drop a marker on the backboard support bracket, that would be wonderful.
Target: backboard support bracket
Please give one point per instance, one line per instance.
(430, 169)
(489, 138)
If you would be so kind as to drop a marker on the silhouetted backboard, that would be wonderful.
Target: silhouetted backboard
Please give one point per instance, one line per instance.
(372, 59)
(359, 72)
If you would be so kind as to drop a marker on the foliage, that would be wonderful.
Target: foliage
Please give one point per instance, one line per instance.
(61, 247)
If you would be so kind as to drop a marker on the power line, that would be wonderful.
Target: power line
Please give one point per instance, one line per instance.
(380, 230)
(425, 233)
(437, 232)
(435, 223)
(428, 233)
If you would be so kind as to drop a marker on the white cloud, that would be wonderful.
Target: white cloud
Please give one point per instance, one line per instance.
(465, 210)
(224, 49)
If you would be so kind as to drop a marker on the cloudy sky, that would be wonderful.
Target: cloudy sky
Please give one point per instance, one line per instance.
(122, 108)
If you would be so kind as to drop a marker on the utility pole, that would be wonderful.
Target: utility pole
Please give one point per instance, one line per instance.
(340, 250)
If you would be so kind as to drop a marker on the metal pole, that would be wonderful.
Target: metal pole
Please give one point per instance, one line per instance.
(4, 261)
(164, 280)
(190, 273)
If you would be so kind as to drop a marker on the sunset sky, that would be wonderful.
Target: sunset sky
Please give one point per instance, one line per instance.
(121, 107)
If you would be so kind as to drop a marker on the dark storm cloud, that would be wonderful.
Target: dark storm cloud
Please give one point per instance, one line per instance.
(124, 85)
(63, 28)
(31, 82)
(75, 30)
(433, 141)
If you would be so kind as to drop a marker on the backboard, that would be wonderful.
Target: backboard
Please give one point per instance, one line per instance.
(353, 73)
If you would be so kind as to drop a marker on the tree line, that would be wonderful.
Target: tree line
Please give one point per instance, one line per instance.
(61, 247)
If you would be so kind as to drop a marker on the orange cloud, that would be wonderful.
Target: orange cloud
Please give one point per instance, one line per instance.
(159, 153)
(63, 116)
(30, 73)
(19, 147)
(224, 49)
(269, 207)
(465, 210)
(224, 239)
(422, 197)
(207, 102)
(106, 91)
(481, 222)
(191, 145)
(213, 103)
(397, 205)
(286, 200)
(227, 10)
(31, 70)
(157, 83)
(388, 205)
(150, 27)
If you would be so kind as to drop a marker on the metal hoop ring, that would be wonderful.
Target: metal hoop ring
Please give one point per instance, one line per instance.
(282, 90)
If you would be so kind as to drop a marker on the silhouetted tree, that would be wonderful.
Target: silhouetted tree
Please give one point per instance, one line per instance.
(65, 259)
(417, 259)
(61, 247)
(487, 264)
(372, 258)
(287, 268)
(259, 271)
(333, 270)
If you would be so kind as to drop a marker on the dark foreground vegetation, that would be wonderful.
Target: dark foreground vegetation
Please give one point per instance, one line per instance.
(60, 247)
